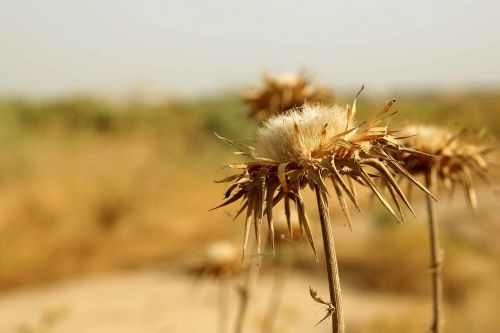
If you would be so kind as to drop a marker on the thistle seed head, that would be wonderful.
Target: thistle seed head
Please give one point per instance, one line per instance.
(453, 159)
(299, 133)
(282, 93)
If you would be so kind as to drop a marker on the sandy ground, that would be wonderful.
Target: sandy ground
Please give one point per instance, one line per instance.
(155, 301)
(167, 300)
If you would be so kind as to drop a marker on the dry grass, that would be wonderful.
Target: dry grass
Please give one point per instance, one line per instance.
(95, 204)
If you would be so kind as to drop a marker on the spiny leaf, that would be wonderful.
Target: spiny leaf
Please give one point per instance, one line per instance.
(305, 223)
(471, 196)
(242, 208)
(235, 197)
(287, 215)
(343, 204)
(376, 191)
(395, 200)
(392, 184)
(315, 175)
(269, 212)
(230, 178)
(282, 176)
(248, 220)
(353, 190)
(258, 213)
(410, 177)
(338, 178)
(238, 146)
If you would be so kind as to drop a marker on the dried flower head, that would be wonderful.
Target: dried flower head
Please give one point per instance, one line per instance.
(221, 260)
(303, 147)
(449, 157)
(282, 93)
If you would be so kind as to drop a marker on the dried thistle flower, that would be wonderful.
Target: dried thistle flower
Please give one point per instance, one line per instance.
(454, 161)
(303, 147)
(282, 93)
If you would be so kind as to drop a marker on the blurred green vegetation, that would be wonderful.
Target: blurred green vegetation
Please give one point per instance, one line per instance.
(223, 113)
(474, 110)
(226, 114)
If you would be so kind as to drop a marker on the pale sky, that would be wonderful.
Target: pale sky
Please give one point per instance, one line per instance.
(188, 46)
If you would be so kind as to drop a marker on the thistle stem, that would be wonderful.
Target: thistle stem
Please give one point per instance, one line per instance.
(436, 260)
(245, 295)
(331, 264)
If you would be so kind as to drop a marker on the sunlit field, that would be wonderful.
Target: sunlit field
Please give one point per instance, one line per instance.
(110, 199)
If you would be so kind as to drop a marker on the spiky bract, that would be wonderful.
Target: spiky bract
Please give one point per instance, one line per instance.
(303, 147)
(282, 93)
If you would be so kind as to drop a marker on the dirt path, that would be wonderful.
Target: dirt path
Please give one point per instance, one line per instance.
(153, 301)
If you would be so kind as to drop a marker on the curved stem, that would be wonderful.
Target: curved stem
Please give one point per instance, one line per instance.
(436, 260)
(331, 264)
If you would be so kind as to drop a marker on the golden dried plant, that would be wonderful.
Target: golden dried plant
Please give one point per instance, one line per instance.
(305, 146)
(221, 263)
(282, 93)
(454, 161)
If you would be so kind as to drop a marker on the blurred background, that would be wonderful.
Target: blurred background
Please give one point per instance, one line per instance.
(107, 161)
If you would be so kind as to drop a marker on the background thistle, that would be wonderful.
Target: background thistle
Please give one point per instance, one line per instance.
(220, 263)
(282, 93)
(454, 163)
(301, 148)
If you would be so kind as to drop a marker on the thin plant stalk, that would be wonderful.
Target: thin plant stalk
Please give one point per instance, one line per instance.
(436, 259)
(245, 295)
(223, 303)
(338, 325)
(280, 275)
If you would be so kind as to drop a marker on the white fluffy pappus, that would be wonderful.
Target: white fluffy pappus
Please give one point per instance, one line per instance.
(277, 138)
